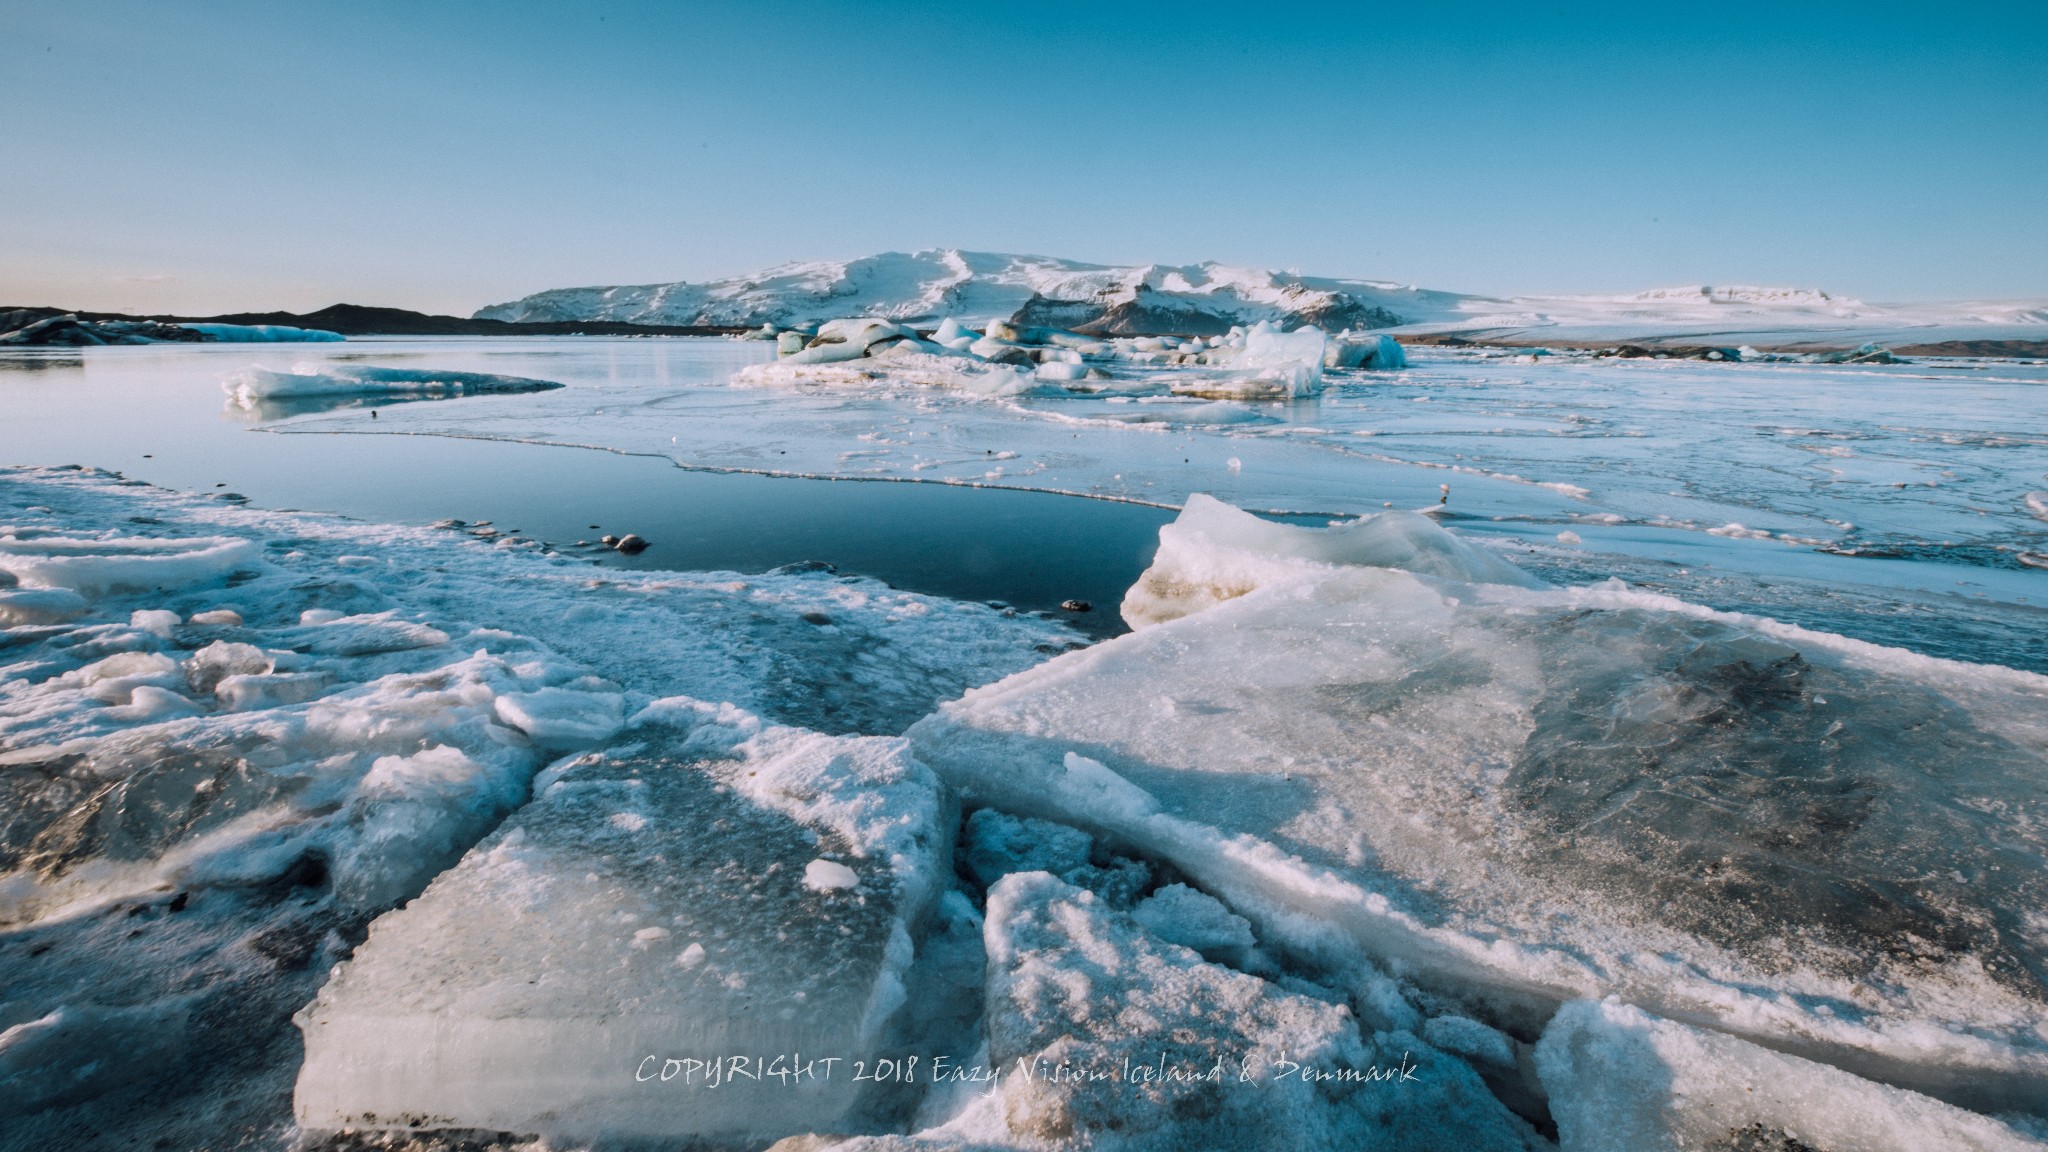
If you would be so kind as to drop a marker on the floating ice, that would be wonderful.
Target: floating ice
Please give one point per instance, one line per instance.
(98, 567)
(1525, 796)
(1375, 353)
(250, 386)
(1213, 552)
(661, 904)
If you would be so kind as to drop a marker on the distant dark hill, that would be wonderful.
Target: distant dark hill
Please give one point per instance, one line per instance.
(362, 320)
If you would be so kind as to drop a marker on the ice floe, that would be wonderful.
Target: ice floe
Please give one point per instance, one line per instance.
(250, 386)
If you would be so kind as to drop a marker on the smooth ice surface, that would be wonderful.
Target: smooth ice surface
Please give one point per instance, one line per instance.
(1621, 1080)
(1526, 795)
(707, 887)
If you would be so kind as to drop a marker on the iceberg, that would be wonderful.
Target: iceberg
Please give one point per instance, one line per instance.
(1374, 353)
(262, 333)
(1519, 796)
(670, 911)
(250, 386)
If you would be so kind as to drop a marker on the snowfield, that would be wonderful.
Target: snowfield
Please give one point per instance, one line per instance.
(1365, 838)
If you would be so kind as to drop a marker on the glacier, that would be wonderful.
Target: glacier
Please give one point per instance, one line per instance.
(923, 288)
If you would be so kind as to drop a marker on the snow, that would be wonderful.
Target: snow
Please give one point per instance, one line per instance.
(545, 983)
(1621, 1080)
(249, 386)
(1522, 796)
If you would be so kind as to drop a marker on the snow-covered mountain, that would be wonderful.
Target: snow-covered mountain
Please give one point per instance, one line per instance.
(924, 287)
(1206, 299)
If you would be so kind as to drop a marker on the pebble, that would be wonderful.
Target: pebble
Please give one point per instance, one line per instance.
(1076, 606)
(631, 544)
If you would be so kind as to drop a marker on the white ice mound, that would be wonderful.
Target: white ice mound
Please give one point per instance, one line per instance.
(663, 905)
(1203, 1056)
(95, 567)
(839, 340)
(1621, 1080)
(318, 378)
(1213, 552)
(1524, 796)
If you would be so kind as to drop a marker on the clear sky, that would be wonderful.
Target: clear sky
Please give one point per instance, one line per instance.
(206, 156)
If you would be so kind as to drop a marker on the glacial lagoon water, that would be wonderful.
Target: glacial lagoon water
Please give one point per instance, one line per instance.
(1899, 504)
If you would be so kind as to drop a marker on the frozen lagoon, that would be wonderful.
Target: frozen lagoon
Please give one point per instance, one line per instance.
(1277, 984)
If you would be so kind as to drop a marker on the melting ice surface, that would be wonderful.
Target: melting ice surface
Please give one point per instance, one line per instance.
(1612, 867)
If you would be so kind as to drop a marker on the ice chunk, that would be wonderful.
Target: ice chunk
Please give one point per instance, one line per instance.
(79, 1051)
(206, 668)
(1106, 1039)
(563, 718)
(1271, 363)
(529, 990)
(155, 621)
(95, 568)
(250, 386)
(1181, 915)
(1621, 1080)
(998, 844)
(1213, 552)
(1374, 353)
(39, 606)
(839, 340)
(1523, 796)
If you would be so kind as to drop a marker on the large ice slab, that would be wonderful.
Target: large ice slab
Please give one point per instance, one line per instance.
(707, 890)
(1526, 795)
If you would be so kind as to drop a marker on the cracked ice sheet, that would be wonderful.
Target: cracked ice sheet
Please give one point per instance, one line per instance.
(228, 738)
(1529, 795)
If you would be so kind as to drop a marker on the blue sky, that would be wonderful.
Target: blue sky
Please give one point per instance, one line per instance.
(210, 156)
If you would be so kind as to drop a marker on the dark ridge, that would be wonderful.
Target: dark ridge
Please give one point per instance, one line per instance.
(362, 320)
